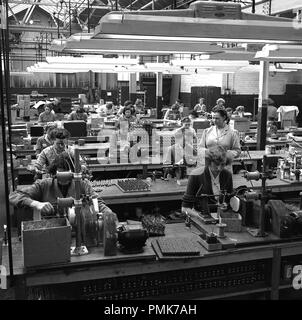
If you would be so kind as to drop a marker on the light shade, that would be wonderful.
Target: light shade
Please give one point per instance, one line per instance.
(194, 24)
(280, 53)
(92, 59)
(92, 46)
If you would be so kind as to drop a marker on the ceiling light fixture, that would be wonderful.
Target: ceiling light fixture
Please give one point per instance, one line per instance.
(200, 22)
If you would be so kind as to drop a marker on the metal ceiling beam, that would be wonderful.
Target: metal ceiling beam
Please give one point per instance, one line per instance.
(28, 13)
(132, 4)
(157, 5)
(151, 3)
(32, 2)
(13, 14)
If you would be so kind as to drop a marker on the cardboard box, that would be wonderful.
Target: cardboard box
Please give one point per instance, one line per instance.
(46, 242)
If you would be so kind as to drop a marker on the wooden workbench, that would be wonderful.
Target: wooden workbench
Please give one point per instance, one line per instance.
(269, 141)
(171, 191)
(118, 271)
(157, 162)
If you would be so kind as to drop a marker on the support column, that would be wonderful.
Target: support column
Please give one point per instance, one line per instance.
(159, 94)
(132, 87)
(103, 86)
(275, 278)
(262, 108)
(175, 88)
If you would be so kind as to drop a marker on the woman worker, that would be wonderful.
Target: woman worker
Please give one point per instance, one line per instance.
(43, 194)
(121, 109)
(48, 155)
(221, 134)
(220, 104)
(213, 180)
(173, 114)
(127, 116)
(139, 106)
(79, 114)
(47, 139)
(182, 151)
(47, 115)
(200, 107)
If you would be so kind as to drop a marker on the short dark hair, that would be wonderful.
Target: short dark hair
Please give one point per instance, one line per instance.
(50, 126)
(175, 107)
(222, 112)
(50, 130)
(80, 109)
(48, 105)
(229, 109)
(240, 109)
(109, 105)
(185, 119)
(62, 161)
(129, 107)
(217, 108)
(61, 134)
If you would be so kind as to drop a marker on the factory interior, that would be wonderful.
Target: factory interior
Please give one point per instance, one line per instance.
(151, 150)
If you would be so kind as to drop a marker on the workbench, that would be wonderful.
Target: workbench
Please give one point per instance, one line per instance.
(269, 142)
(156, 162)
(256, 268)
(150, 163)
(171, 191)
(252, 132)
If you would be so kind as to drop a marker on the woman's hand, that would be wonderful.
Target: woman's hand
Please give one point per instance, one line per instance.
(43, 207)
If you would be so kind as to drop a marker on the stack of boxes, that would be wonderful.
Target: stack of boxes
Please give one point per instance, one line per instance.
(24, 105)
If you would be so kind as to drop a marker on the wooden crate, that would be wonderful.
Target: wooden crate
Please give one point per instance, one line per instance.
(46, 241)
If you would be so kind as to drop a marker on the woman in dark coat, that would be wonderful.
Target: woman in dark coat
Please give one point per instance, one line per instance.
(212, 181)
